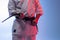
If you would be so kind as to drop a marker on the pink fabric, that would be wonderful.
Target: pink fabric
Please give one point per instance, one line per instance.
(34, 7)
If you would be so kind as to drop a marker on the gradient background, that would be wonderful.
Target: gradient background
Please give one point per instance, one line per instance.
(49, 23)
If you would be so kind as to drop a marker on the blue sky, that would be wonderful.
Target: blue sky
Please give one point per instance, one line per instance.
(49, 23)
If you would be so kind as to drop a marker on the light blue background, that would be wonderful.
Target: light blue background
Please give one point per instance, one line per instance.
(49, 23)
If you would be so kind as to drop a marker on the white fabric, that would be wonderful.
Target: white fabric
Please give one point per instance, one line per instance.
(28, 9)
